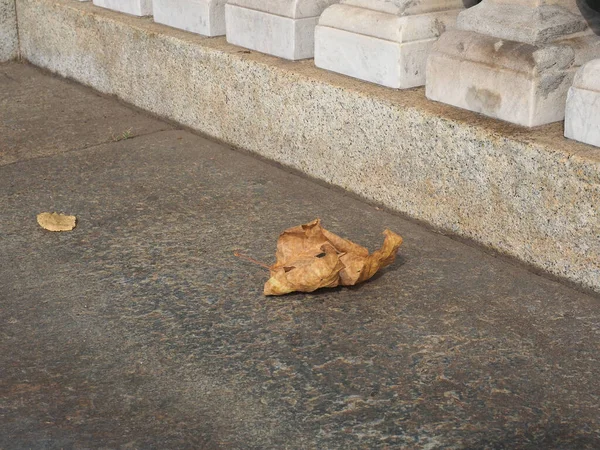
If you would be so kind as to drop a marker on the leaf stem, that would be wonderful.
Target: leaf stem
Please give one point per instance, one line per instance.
(252, 260)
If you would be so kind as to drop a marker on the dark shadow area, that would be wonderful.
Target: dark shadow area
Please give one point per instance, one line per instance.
(593, 4)
(590, 9)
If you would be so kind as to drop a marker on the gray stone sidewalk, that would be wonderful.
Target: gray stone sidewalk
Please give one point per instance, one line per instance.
(140, 329)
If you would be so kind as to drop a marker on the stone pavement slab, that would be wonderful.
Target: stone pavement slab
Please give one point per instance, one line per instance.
(529, 194)
(140, 329)
(42, 115)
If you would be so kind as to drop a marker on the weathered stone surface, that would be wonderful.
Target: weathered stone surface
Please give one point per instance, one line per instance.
(42, 116)
(9, 39)
(140, 329)
(134, 7)
(374, 42)
(514, 61)
(582, 119)
(535, 22)
(529, 194)
(294, 9)
(280, 28)
(206, 17)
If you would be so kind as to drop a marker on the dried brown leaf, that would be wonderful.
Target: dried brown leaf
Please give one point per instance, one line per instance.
(306, 273)
(310, 257)
(56, 222)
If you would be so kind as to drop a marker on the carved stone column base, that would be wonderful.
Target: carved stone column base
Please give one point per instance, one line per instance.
(510, 62)
(382, 44)
(582, 118)
(206, 17)
(508, 80)
(283, 28)
(133, 7)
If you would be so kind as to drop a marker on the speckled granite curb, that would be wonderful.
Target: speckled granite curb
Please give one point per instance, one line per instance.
(9, 46)
(529, 194)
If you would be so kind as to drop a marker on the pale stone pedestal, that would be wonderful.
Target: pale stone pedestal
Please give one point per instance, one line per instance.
(385, 42)
(582, 117)
(206, 17)
(514, 59)
(134, 7)
(284, 28)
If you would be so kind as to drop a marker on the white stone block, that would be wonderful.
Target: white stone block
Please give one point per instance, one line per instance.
(384, 42)
(514, 60)
(134, 7)
(582, 117)
(284, 28)
(206, 17)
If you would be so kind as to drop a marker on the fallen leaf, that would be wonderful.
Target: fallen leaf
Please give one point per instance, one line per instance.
(310, 257)
(56, 222)
(306, 273)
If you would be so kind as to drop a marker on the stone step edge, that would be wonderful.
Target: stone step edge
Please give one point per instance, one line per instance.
(528, 194)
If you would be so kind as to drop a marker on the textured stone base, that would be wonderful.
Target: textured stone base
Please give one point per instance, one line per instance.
(531, 194)
(271, 34)
(496, 78)
(134, 7)
(582, 119)
(516, 82)
(9, 40)
(387, 63)
(206, 17)
(382, 48)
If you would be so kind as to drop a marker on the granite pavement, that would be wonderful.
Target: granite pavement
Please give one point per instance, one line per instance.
(141, 329)
(528, 194)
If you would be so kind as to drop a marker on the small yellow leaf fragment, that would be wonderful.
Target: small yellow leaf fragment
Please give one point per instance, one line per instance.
(56, 222)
